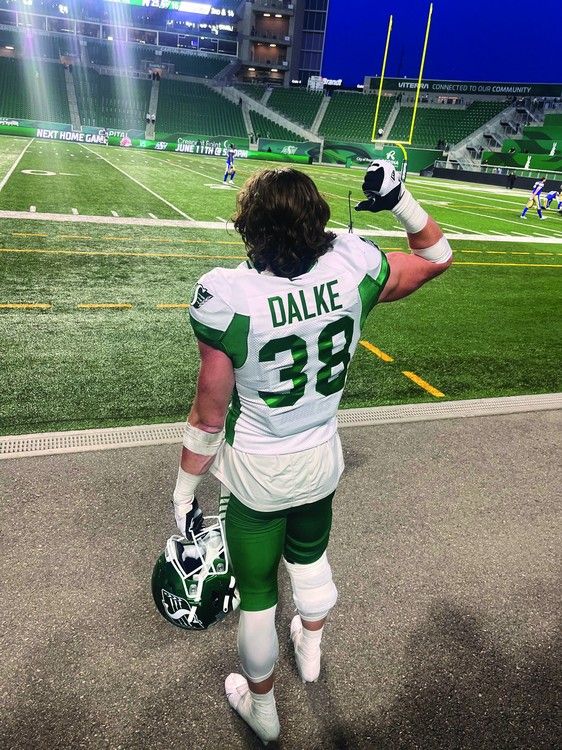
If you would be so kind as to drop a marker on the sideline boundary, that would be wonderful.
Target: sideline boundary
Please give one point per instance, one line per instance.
(189, 224)
(77, 441)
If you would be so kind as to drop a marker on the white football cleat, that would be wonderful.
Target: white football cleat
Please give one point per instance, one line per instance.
(264, 722)
(308, 659)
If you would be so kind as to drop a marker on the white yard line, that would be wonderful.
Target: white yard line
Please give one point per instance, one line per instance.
(187, 224)
(14, 165)
(221, 219)
(188, 169)
(339, 223)
(137, 182)
(152, 216)
(455, 226)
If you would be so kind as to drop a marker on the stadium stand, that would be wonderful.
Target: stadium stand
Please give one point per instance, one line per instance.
(111, 101)
(435, 124)
(255, 90)
(266, 128)
(119, 54)
(33, 92)
(297, 105)
(349, 116)
(199, 66)
(539, 145)
(194, 108)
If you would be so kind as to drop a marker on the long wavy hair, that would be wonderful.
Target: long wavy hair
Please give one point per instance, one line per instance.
(282, 219)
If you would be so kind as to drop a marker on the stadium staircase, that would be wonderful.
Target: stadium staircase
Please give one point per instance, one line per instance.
(291, 130)
(320, 114)
(72, 101)
(465, 154)
(538, 148)
(152, 109)
(391, 120)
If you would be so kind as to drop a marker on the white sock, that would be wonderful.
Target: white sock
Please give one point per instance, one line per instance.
(258, 711)
(310, 640)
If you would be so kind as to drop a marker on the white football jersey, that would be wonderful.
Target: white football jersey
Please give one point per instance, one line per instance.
(290, 341)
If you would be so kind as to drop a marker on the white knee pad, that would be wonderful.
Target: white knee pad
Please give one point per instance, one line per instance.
(258, 646)
(314, 592)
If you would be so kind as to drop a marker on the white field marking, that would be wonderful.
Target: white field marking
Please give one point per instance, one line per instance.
(221, 219)
(114, 213)
(138, 221)
(494, 218)
(137, 182)
(455, 226)
(460, 186)
(14, 165)
(74, 211)
(187, 169)
(33, 209)
(68, 174)
(371, 226)
(433, 203)
(152, 216)
(493, 231)
(513, 205)
(339, 223)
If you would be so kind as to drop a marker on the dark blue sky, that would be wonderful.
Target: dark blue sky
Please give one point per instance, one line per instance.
(476, 40)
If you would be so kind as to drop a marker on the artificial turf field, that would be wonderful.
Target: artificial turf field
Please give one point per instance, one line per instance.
(488, 327)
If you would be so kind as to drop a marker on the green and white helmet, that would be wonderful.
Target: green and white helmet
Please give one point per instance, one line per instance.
(191, 583)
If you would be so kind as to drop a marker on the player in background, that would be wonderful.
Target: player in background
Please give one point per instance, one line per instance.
(553, 195)
(230, 164)
(276, 336)
(535, 199)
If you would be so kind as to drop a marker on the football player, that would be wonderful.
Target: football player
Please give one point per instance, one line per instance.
(535, 199)
(276, 336)
(230, 170)
(553, 195)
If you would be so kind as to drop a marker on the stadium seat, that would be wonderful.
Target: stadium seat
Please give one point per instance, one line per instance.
(298, 105)
(33, 91)
(435, 124)
(194, 108)
(266, 128)
(255, 90)
(111, 101)
(349, 116)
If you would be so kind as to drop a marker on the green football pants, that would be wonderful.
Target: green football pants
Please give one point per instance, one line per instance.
(257, 540)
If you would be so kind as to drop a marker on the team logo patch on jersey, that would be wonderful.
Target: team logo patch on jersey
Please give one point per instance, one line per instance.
(200, 296)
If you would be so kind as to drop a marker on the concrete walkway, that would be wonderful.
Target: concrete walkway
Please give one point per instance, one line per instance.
(445, 550)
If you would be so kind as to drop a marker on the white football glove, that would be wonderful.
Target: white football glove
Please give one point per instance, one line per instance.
(382, 187)
(189, 516)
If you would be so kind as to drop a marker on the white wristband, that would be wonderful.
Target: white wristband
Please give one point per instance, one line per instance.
(439, 253)
(201, 442)
(185, 487)
(410, 214)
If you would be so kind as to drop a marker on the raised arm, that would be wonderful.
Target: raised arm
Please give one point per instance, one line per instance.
(431, 253)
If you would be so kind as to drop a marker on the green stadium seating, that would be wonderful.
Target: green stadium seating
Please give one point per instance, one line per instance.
(537, 143)
(194, 64)
(349, 116)
(266, 128)
(194, 108)
(434, 124)
(255, 90)
(33, 92)
(111, 101)
(298, 105)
